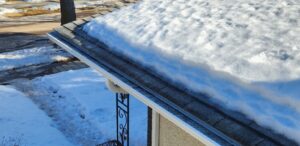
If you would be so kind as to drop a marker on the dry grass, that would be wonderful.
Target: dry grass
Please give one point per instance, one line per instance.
(31, 12)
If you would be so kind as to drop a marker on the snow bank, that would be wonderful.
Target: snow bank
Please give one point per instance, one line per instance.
(23, 123)
(246, 55)
(37, 55)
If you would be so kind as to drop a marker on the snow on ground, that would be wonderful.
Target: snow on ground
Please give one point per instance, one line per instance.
(37, 55)
(7, 10)
(2, 1)
(78, 4)
(76, 1)
(23, 123)
(35, 1)
(246, 55)
(52, 6)
(83, 108)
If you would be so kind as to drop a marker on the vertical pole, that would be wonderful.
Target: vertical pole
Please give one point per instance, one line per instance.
(127, 119)
(117, 118)
(149, 127)
(67, 10)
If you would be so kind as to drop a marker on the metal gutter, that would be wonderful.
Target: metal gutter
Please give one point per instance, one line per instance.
(140, 96)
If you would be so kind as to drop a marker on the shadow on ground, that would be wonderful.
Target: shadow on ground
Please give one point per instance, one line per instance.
(17, 41)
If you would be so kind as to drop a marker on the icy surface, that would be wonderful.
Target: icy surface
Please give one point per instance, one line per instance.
(37, 55)
(83, 108)
(246, 55)
(23, 123)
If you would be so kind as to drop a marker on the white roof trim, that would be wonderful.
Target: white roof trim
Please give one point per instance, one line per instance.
(162, 111)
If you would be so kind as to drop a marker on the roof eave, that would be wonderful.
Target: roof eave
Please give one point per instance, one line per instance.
(191, 127)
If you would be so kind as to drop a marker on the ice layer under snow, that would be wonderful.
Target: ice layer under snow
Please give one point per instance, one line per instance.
(244, 54)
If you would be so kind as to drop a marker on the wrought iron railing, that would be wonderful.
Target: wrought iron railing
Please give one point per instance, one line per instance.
(122, 113)
(122, 121)
(110, 143)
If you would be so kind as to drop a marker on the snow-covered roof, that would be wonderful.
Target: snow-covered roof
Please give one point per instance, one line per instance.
(244, 54)
(146, 70)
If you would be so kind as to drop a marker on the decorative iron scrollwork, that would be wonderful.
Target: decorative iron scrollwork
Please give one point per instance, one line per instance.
(110, 143)
(122, 113)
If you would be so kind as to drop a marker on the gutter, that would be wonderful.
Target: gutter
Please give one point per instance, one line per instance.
(140, 96)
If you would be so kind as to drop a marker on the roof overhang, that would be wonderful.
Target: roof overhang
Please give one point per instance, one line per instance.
(150, 100)
(194, 113)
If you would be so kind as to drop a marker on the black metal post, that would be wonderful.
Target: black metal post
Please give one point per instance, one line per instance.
(122, 119)
(67, 9)
(149, 128)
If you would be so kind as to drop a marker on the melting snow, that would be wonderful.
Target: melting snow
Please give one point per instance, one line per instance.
(246, 55)
(37, 55)
(79, 4)
(7, 10)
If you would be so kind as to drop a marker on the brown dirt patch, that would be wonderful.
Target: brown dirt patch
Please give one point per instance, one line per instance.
(37, 28)
(30, 12)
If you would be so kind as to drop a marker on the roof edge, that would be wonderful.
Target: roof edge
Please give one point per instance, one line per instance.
(167, 111)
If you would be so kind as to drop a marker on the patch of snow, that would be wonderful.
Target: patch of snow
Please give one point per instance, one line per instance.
(84, 4)
(55, 5)
(78, 4)
(4, 11)
(35, 1)
(246, 55)
(52, 7)
(37, 55)
(83, 106)
(2, 1)
(23, 123)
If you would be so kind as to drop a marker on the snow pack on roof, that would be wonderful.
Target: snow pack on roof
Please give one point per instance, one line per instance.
(245, 54)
